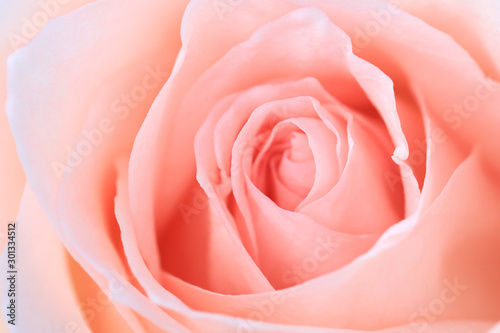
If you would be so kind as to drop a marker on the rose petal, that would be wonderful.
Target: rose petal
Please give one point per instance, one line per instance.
(76, 108)
(46, 299)
(474, 26)
(381, 207)
(18, 25)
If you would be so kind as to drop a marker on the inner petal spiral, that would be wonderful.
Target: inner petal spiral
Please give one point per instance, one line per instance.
(284, 169)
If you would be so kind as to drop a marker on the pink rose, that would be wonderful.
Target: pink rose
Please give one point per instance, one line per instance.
(295, 166)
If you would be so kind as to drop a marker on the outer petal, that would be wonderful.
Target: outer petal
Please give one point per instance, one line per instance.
(474, 25)
(20, 21)
(46, 300)
(71, 99)
(495, 329)
(54, 81)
